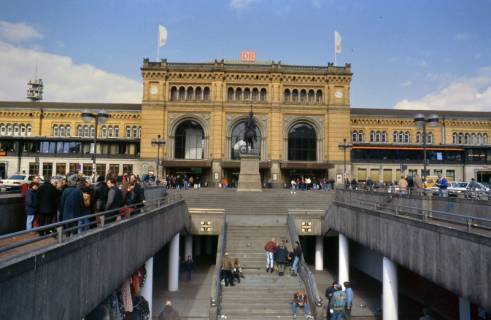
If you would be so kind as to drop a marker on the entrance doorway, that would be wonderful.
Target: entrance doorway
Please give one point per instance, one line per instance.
(3, 171)
(484, 176)
(195, 176)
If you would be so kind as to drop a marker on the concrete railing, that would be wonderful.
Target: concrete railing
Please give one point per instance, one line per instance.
(315, 301)
(216, 285)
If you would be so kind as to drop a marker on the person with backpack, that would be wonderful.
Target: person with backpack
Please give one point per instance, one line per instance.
(349, 299)
(329, 294)
(338, 304)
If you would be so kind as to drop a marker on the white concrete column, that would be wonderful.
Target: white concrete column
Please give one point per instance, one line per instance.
(174, 264)
(147, 289)
(390, 290)
(197, 246)
(188, 246)
(464, 309)
(319, 253)
(343, 274)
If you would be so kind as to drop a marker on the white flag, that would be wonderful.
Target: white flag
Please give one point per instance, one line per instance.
(162, 36)
(337, 42)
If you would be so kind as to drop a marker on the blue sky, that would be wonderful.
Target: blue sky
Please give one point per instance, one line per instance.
(428, 54)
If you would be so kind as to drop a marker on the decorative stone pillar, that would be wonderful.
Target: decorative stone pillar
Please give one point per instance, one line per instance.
(174, 264)
(390, 289)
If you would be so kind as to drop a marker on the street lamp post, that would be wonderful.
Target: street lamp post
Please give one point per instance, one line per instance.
(421, 122)
(345, 146)
(99, 117)
(158, 142)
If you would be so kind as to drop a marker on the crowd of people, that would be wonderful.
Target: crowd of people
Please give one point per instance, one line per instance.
(231, 270)
(75, 197)
(308, 183)
(179, 182)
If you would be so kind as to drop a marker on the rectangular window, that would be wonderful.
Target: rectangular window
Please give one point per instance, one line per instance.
(412, 172)
(362, 174)
(87, 169)
(61, 169)
(387, 175)
(47, 169)
(438, 172)
(398, 174)
(450, 175)
(127, 168)
(375, 175)
(114, 169)
(101, 169)
(34, 168)
(74, 168)
(425, 173)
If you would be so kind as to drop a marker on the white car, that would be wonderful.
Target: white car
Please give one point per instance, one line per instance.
(15, 181)
(457, 188)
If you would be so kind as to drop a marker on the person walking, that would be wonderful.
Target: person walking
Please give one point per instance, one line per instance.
(31, 204)
(86, 188)
(297, 254)
(402, 183)
(188, 267)
(270, 249)
(329, 294)
(71, 202)
(442, 187)
(418, 185)
(100, 199)
(299, 300)
(369, 184)
(337, 305)
(227, 270)
(281, 257)
(47, 195)
(169, 313)
(349, 300)
(237, 270)
(114, 197)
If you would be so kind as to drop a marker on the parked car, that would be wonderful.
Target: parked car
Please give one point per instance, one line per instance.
(57, 178)
(457, 188)
(15, 181)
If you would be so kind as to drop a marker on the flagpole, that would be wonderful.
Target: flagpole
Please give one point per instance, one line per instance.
(334, 48)
(158, 46)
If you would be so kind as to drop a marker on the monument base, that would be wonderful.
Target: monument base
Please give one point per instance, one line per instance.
(249, 178)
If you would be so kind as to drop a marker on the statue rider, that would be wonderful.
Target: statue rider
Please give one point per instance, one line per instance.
(250, 136)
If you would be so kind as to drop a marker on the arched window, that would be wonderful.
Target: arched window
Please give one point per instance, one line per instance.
(22, 129)
(198, 94)
(360, 136)
(255, 94)
(56, 132)
(303, 96)
(29, 129)
(407, 137)
(318, 96)
(230, 94)
(286, 96)
(295, 95)
(311, 96)
(3, 129)
(190, 94)
(479, 138)
(189, 141)
(377, 136)
(16, 129)
(92, 131)
(104, 132)
(238, 94)
(302, 143)
(173, 94)
(461, 138)
(116, 131)
(454, 138)
(473, 138)
(401, 137)
(237, 139)
(247, 94)
(418, 137)
(262, 96)
(62, 131)
(384, 137)
(485, 138)
(80, 131)
(206, 94)
(86, 131)
(10, 129)
(182, 93)
(354, 136)
(429, 138)
(109, 131)
(128, 131)
(372, 136)
(135, 132)
(466, 138)
(395, 137)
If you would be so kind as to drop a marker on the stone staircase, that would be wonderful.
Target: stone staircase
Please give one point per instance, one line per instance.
(269, 201)
(260, 295)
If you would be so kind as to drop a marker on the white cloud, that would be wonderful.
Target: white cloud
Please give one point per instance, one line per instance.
(18, 32)
(240, 4)
(462, 36)
(64, 80)
(469, 94)
(407, 83)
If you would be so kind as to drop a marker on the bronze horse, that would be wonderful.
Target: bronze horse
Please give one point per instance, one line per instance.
(250, 136)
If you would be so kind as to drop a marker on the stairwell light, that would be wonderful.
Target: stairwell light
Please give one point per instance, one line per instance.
(205, 226)
(306, 226)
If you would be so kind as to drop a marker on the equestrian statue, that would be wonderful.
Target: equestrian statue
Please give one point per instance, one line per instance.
(250, 136)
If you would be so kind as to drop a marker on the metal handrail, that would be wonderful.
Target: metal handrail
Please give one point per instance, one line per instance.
(216, 288)
(305, 273)
(58, 229)
(424, 214)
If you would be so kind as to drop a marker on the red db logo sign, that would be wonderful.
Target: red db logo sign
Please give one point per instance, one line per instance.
(248, 56)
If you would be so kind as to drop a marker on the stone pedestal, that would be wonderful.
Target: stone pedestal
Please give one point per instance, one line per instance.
(249, 178)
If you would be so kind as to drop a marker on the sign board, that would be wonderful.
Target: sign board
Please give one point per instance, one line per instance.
(248, 56)
(3, 153)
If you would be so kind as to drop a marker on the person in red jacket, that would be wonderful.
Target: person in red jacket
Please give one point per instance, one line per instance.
(270, 249)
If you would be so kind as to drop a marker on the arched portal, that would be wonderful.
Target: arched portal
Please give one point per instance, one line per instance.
(238, 135)
(189, 141)
(302, 143)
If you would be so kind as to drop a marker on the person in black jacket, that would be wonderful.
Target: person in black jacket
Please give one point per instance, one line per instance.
(100, 198)
(297, 254)
(281, 256)
(47, 195)
(71, 202)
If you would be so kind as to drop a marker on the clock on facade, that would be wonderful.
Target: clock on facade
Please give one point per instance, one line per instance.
(338, 94)
(154, 89)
